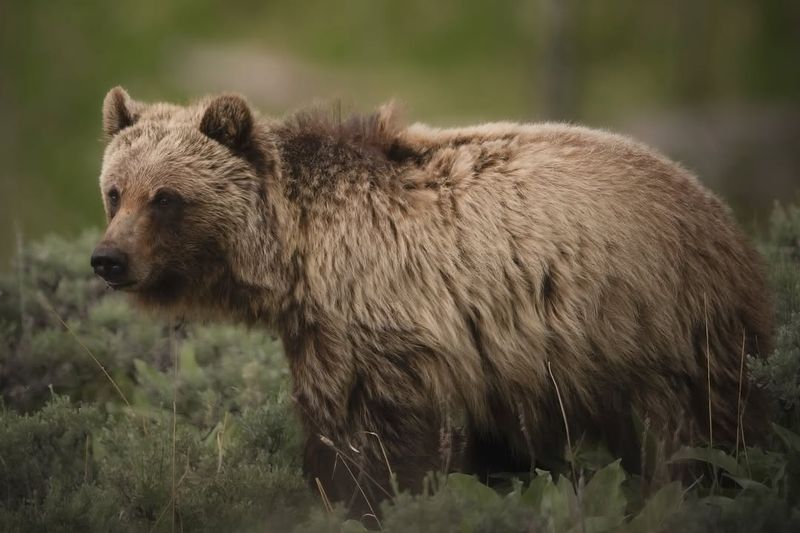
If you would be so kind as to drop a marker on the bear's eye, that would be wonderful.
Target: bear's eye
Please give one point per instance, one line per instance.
(113, 197)
(165, 199)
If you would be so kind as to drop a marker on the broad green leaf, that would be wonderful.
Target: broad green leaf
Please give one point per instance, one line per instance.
(560, 504)
(533, 494)
(711, 456)
(763, 465)
(352, 526)
(469, 488)
(749, 484)
(789, 438)
(189, 370)
(603, 496)
(595, 524)
(658, 508)
(594, 458)
(148, 374)
(719, 501)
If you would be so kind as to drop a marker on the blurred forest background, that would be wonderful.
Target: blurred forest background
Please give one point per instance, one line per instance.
(714, 84)
(192, 426)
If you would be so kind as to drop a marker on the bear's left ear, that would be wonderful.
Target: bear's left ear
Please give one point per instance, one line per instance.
(119, 111)
(229, 121)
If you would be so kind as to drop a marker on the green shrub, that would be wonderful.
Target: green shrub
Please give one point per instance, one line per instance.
(216, 444)
(47, 471)
(781, 372)
(77, 469)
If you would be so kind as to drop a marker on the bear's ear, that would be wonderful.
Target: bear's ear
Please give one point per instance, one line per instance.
(229, 121)
(119, 112)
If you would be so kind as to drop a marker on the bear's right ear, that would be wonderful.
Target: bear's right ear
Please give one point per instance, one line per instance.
(229, 121)
(119, 112)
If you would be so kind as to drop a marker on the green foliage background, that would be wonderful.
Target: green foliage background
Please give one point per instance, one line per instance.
(450, 61)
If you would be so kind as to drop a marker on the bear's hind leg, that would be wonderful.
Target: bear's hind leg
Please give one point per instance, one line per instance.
(501, 448)
(487, 454)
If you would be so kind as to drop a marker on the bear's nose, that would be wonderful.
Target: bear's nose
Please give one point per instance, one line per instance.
(110, 263)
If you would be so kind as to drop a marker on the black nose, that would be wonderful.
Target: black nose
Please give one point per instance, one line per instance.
(110, 263)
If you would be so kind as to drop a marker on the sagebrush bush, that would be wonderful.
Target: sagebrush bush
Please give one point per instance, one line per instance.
(215, 444)
(781, 372)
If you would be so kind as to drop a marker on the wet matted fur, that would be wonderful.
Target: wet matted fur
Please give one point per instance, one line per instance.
(422, 278)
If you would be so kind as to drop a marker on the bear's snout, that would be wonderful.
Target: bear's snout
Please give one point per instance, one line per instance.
(111, 264)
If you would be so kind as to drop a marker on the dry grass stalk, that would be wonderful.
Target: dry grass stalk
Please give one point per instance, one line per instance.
(566, 423)
(708, 374)
(746, 458)
(383, 451)
(221, 442)
(346, 458)
(174, 349)
(86, 349)
(169, 503)
(86, 460)
(577, 482)
(363, 495)
(23, 311)
(739, 427)
(325, 501)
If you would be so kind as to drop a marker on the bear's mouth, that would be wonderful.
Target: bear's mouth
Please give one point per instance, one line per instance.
(121, 285)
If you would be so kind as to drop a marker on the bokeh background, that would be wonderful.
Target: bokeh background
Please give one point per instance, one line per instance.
(193, 427)
(713, 83)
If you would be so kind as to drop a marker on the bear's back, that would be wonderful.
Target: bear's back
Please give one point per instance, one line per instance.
(503, 247)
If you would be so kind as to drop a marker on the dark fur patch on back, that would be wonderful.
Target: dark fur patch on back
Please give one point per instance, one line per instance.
(378, 130)
(320, 153)
(402, 153)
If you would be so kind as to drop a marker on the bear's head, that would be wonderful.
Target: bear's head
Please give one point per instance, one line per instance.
(184, 188)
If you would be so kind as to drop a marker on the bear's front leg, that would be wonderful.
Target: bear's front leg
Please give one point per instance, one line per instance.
(382, 441)
(369, 419)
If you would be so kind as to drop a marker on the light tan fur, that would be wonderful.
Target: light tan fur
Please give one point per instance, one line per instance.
(416, 274)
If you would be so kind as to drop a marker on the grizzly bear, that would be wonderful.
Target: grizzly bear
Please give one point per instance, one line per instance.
(442, 294)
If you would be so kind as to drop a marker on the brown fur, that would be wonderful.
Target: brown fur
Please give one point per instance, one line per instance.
(418, 275)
